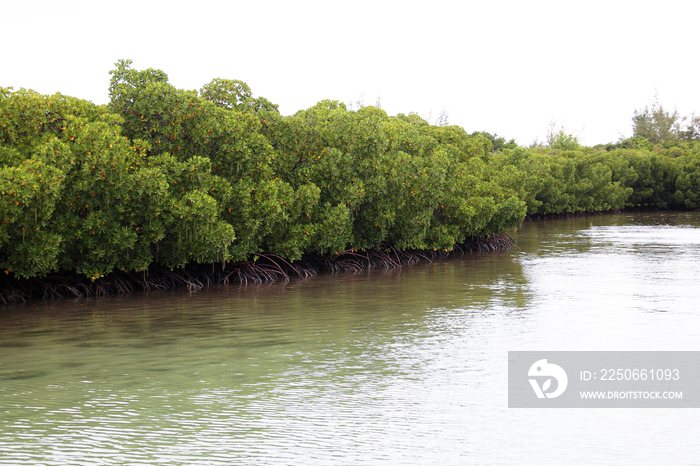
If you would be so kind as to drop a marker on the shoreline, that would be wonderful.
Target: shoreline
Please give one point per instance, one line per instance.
(540, 217)
(264, 269)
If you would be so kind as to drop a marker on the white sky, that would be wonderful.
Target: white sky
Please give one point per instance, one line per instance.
(509, 67)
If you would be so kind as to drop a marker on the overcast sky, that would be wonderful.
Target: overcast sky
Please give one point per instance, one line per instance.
(507, 67)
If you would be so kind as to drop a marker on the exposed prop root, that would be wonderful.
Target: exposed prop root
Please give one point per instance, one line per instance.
(265, 268)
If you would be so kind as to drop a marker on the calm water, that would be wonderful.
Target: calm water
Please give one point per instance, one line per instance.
(407, 366)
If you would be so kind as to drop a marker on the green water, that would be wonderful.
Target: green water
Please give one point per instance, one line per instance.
(406, 366)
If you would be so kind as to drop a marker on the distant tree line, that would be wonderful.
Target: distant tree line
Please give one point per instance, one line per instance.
(654, 128)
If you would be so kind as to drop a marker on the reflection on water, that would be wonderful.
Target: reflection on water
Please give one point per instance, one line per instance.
(406, 366)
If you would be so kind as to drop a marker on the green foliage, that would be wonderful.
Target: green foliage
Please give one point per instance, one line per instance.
(563, 141)
(498, 144)
(559, 139)
(169, 176)
(578, 181)
(651, 177)
(236, 94)
(691, 132)
(223, 126)
(635, 142)
(79, 196)
(687, 183)
(657, 125)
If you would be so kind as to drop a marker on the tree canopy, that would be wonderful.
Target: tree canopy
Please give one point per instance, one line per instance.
(168, 176)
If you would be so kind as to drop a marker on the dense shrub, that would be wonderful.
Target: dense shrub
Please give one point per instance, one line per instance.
(168, 176)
